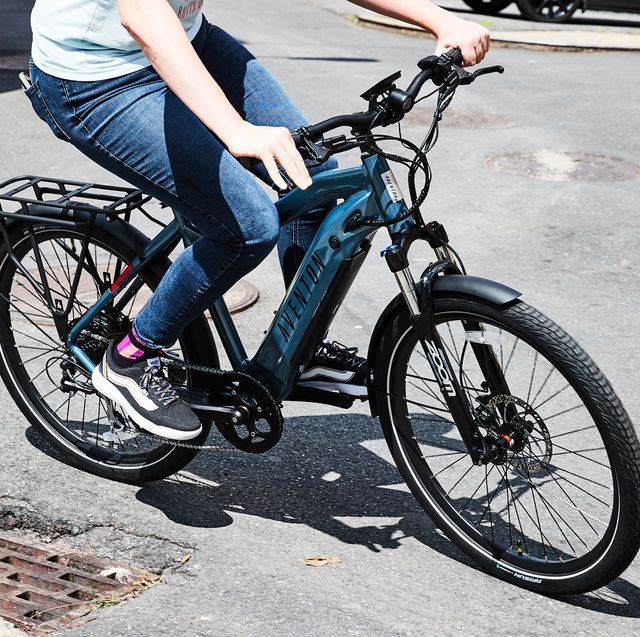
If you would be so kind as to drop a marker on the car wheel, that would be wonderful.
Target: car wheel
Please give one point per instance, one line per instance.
(549, 10)
(489, 7)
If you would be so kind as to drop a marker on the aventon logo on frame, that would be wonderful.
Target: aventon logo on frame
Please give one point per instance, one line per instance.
(300, 296)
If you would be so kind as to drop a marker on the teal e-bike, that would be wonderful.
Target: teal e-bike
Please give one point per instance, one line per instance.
(503, 428)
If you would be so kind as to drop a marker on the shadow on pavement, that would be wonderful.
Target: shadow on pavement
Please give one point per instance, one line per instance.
(326, 475)
(287, 485)
(621, 598)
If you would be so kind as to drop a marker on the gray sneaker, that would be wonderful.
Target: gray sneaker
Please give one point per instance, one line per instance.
(146, 397)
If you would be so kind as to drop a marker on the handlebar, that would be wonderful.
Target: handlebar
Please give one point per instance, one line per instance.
(395, 103)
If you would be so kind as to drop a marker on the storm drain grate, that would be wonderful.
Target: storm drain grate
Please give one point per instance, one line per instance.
(41, 589)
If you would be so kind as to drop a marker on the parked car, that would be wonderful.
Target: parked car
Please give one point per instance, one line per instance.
(553, 10)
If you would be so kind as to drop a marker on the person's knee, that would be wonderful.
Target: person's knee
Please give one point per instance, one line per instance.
(262, 234)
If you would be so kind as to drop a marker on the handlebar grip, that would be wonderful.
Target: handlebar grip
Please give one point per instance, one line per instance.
(455, 55)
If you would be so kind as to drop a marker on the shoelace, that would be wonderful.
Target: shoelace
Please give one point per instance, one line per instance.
(340, 353)
(152, 381)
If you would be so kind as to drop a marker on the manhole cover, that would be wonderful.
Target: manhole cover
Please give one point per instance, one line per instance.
(458, 118)
(42, 590)
(558, 166)
(241, 296)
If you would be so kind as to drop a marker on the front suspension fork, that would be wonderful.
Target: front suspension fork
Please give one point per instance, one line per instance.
(423, 322)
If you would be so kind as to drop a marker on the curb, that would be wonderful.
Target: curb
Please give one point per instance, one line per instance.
(567, 40)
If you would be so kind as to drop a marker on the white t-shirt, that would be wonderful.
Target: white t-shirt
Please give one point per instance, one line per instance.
(84, 40)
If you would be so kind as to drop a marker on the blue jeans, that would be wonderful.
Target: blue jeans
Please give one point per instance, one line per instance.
(135, 127)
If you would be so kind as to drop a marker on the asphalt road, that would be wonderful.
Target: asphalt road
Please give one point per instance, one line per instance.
(249, 522)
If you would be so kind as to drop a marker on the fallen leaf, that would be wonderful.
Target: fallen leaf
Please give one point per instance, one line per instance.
(322, 560)
(185, 558)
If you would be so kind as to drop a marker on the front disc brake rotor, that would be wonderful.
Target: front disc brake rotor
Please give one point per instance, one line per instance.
(537, 450)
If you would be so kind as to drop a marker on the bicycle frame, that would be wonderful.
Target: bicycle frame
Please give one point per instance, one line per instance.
(321, 283)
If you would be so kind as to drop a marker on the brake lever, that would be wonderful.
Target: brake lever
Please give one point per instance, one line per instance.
(488, 69)
(467, 78)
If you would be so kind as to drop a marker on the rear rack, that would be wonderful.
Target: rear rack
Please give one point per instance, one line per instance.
(18, 194)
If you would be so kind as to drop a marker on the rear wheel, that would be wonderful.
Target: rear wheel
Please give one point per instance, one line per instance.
(48, 385)
(559, 510)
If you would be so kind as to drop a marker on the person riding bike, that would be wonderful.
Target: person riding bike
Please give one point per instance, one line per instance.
(154, 93)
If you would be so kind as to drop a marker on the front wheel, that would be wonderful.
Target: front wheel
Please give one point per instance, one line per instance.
(558, 511)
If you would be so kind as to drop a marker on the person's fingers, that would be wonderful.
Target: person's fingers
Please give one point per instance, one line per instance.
(469, 56)
(293, 171)
(479, 52)
(272, 168)
(301, 170)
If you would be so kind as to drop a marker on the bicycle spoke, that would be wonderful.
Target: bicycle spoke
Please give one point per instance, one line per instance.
(574, 431)
(564, 411)
(449, 465)
(551, 495)
(544, 384)
(428, 389)
(544, 402)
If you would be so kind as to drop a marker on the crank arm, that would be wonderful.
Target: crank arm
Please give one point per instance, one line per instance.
(229, 411)
(221, 415)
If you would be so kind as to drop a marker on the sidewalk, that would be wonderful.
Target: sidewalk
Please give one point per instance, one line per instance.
(593, 30)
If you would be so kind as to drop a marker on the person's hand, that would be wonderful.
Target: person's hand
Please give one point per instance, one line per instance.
(472, 39)
(272, 146)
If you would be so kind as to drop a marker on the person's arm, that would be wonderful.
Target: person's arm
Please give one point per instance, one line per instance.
(160, 34)
(452, 32)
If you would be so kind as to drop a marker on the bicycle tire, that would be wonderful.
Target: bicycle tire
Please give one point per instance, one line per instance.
(611, 553)
(196, 343)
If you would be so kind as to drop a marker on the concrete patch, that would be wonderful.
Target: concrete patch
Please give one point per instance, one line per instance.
(551, 165)
(458, 118)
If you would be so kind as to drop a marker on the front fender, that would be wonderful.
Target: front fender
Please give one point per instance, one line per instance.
(475, 286)
(448, 285)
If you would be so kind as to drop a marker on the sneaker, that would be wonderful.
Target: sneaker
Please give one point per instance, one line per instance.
(146, 397)
(335, 367)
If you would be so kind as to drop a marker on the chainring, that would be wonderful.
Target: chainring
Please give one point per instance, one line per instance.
(257, 424)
